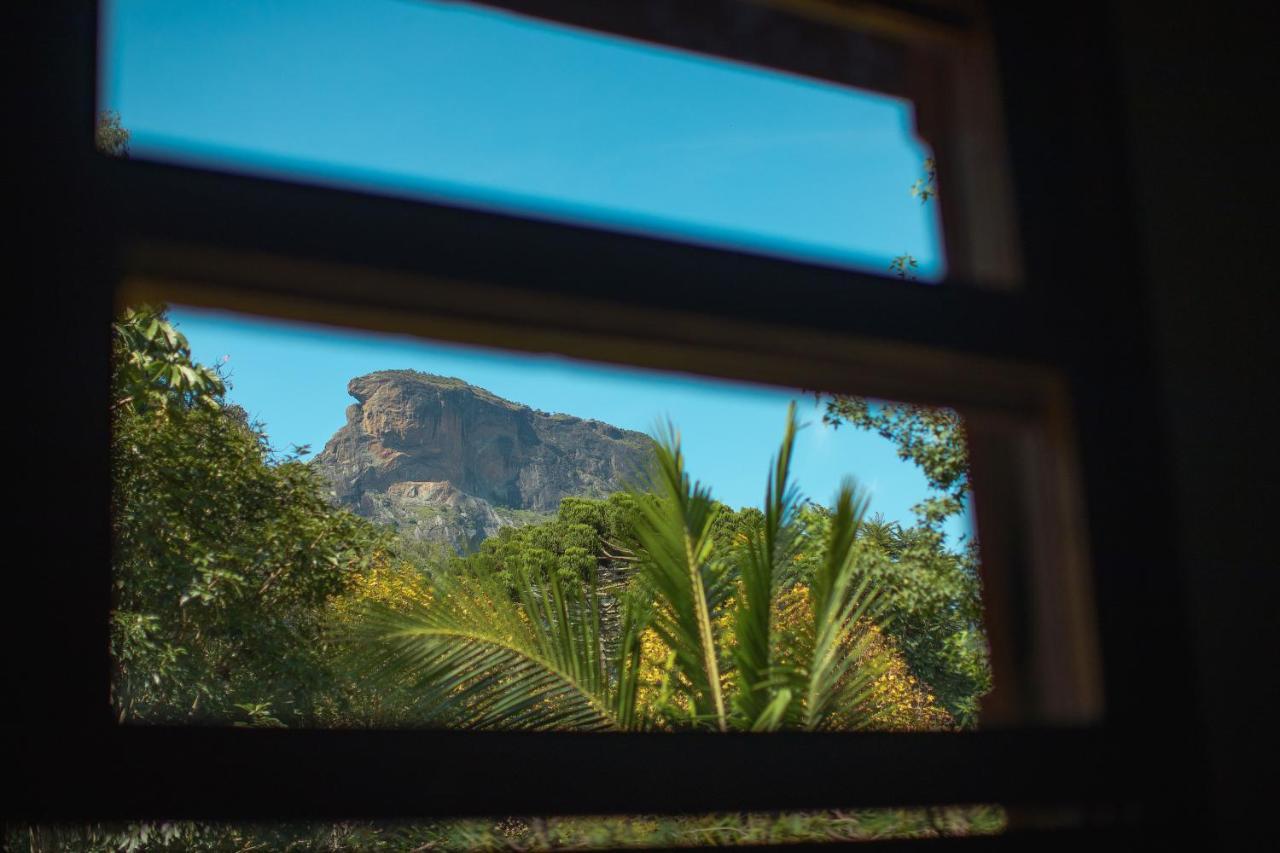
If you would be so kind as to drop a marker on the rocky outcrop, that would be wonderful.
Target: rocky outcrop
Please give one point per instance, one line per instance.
(445, 461)
(434, 512)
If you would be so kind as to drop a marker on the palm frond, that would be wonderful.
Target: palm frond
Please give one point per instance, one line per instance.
(476, 658)
(626, 657)
(770, 549)
(680, 566)
(834, 681)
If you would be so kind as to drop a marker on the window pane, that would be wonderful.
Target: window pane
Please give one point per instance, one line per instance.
(456, 102)
(492, 540)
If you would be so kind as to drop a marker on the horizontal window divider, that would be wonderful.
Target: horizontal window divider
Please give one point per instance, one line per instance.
(162, 205)
(228, 773)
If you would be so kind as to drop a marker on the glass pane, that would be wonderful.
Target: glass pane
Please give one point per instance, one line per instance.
(329, 528)
(456, 102)
(556, 833)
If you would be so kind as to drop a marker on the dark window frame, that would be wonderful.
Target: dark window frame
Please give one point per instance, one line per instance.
(1078, 315)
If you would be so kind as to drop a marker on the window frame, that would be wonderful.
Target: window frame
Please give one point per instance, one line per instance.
(140, 220)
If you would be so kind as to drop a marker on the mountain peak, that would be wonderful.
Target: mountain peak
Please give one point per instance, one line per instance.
(409, 427)
(364, 387)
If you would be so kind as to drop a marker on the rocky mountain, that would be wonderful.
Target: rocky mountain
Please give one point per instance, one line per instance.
(447, 462)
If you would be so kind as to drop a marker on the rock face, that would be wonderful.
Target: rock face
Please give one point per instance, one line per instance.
(448, 462)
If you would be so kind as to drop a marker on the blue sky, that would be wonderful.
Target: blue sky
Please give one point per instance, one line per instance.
(462, 104)
(456, 102)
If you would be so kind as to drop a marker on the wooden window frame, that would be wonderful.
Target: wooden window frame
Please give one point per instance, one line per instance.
(1067, 338)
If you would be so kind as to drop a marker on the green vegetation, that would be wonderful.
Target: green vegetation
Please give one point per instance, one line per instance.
(521, 635)
(933, 592)
(224, 555)
(929, 611)
(930, 437)
(530, 834)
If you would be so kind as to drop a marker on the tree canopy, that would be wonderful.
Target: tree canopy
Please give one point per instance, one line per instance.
(223, 553)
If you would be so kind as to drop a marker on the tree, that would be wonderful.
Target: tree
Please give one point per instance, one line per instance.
(224, 556)
(932, 609)
(935, 593)
(930, 437)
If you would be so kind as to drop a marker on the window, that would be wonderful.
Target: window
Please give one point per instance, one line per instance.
(343, 258)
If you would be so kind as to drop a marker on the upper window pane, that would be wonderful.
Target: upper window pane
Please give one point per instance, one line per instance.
(460, 103)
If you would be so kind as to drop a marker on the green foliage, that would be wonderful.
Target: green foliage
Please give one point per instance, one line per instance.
(771, 546)
(904, 266)
(929, 602)
(109, 135)
(570, 544)
(926, 187)
(686, 574)
(546, 627)
(479, 659)
(930, 437)
(841, 594)
(933, 594)
(224, 555)
(931, 606)
(153, 367)
(529, 834)
(421, 552)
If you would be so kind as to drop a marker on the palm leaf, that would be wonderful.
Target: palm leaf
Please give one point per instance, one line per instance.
(680, 567)
(770, 549)
(476, 658)
(626, 657)
(834, 682)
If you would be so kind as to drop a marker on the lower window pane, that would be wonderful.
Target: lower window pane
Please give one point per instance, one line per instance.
(490, 540)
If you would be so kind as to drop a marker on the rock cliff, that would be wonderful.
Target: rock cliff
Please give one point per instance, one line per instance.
(447, 462)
